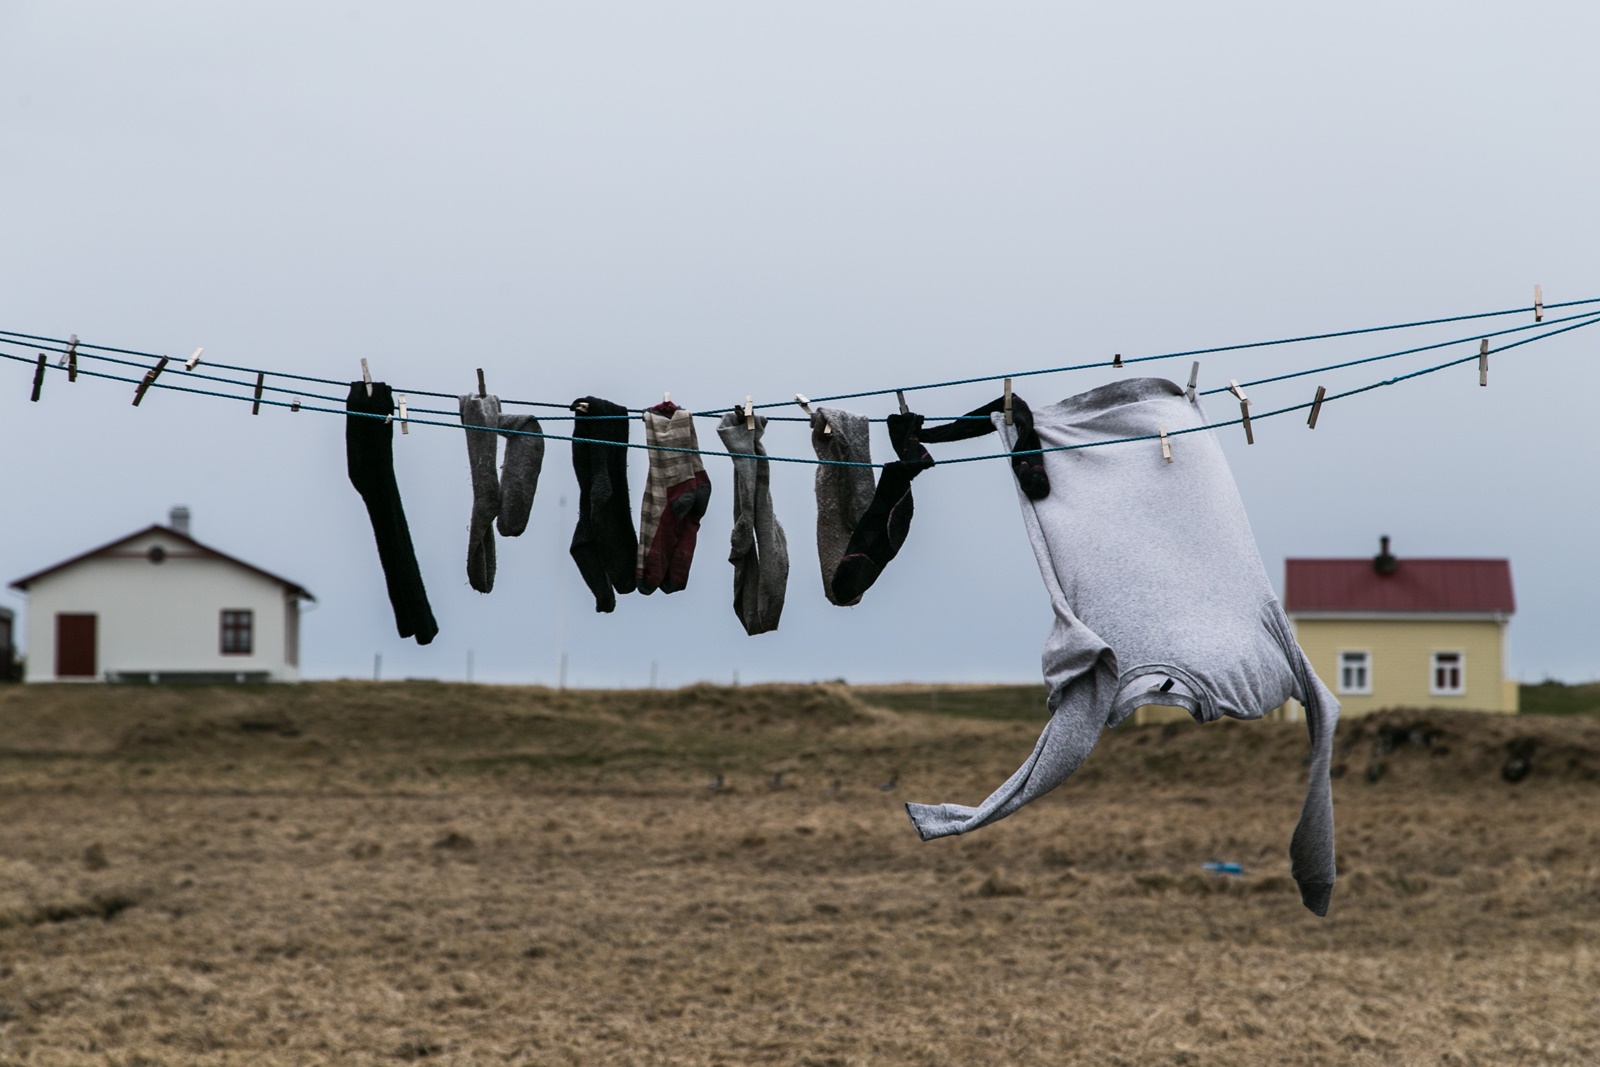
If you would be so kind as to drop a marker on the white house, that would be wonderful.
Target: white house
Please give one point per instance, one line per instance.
(158, 605)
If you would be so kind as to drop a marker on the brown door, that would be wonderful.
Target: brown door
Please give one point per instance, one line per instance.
(75, 651)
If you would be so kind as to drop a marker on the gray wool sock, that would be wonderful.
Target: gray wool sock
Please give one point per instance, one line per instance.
(504, 499)
(482, 446)
(760, 551)
(519, 474)
(843, 493)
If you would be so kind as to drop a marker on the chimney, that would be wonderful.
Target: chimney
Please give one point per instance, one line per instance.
(1384, 562)
(178, 519)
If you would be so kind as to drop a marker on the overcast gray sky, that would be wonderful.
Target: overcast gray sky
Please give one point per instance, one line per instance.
(731, 199)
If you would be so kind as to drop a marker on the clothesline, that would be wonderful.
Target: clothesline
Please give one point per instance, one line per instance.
(1583, 319)
(91, 351)
(950, 418)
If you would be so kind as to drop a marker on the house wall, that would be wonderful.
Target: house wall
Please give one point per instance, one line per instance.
(8, 642)
(1401, 661)
(161, 617)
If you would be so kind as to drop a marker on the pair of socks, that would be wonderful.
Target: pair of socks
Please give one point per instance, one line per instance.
(369, 458)
(760, 551)
(504, 499)
(883, 527)
(843, 492)
(676, 495)
(603, 544)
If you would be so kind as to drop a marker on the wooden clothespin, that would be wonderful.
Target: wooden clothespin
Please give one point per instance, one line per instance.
(261, 380)
(193, 361)
(366, 375)
(405, 427)
(1316, 406)
(148, 380)
(749, 414)
(1244, 410)
(1483, 362)
(72, 358)
(1194, 379)
(581, 408)
(1008, 402)
(666, 398)
(900, 396)
(1538, 304)
(1116, 361)
(482, 389)
(805, 406)
(38, 377)
(295, 404)
(1166, 445)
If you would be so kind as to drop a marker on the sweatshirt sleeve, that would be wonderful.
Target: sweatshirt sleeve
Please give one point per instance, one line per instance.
(1066, 742)
(1311, 853)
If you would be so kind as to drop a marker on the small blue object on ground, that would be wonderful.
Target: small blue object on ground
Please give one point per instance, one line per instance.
(1222, 868)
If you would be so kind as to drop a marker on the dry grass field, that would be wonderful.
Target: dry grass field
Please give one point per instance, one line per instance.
(389, 873)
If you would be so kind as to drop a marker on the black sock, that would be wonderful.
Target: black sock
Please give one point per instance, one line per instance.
(604, 544)
(886, 522)
(1029, 469)
(369, 457)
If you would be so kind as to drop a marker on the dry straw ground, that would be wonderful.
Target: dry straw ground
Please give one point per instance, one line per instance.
(357, 873)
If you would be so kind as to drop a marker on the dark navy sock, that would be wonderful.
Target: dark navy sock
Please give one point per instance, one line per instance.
(1029, 469)
(604, 544)
(369, 458)
(886, 522)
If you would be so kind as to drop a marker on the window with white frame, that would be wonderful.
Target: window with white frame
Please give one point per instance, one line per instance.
(1355, 673)
(1449, 674)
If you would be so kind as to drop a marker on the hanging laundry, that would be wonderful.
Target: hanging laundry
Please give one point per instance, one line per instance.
(760, 552)
(883, 527)
(843, 493)
(504, 499)
(369, 458)
(1160, 598)
(676, 495)
(481, 455)
(519, 472)
(1032, 478)
(603, 544)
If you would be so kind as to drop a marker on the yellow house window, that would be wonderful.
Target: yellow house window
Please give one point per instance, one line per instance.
(1448, 674)
(1355, 672)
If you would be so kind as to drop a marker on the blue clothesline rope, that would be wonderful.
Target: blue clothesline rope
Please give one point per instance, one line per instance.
(931, 418)
(90, 350)
(1585, 320)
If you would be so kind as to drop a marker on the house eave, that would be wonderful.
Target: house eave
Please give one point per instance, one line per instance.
(292, 588)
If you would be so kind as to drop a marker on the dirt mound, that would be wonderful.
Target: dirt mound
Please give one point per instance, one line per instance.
(30, 896)
(1456, 748)
(825, 706)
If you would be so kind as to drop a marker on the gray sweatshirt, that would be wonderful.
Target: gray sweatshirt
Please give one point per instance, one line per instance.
(1160, 598)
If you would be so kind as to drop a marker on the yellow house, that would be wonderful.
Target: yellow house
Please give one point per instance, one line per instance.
(1421, 633)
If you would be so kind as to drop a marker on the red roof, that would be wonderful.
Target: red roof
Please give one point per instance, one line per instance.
(1476, 586)
(204, 550)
